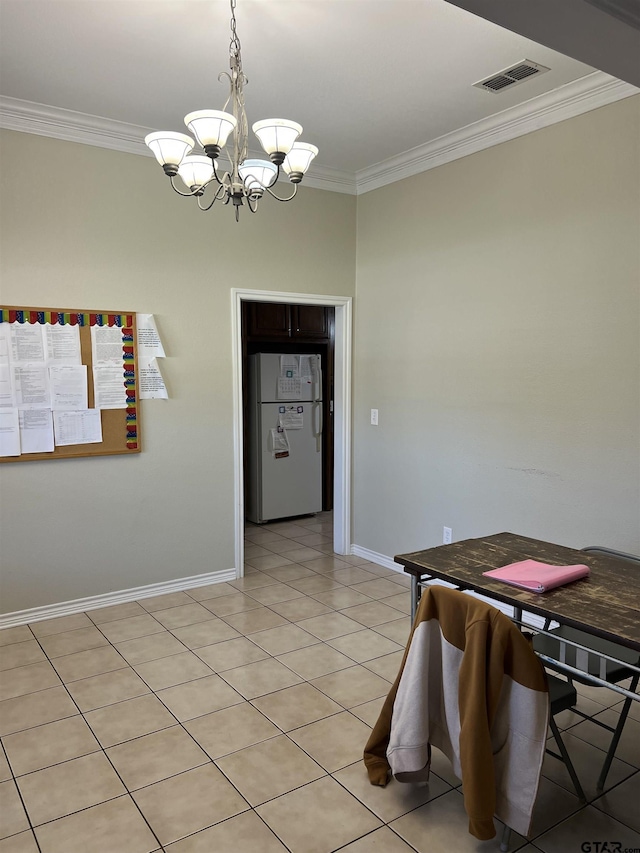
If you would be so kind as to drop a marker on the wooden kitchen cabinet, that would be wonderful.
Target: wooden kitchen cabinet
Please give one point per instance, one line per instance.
(275, 321)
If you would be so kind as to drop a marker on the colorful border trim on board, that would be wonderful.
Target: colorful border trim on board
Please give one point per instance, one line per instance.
(124, 321)
(65, 318)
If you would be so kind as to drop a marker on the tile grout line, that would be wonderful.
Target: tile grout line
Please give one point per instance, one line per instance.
(19, 792)
(250, 702)
(102, 749)
(174, 775)
(211, 760)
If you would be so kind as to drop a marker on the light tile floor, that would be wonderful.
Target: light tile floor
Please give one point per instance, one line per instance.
(232, 718)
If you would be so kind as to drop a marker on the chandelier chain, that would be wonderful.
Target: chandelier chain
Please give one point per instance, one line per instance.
(237, 81)
(234, 48)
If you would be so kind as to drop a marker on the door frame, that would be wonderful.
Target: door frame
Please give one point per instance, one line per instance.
(341, 411)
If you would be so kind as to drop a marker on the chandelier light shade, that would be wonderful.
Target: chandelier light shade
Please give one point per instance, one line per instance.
(195, 170)
(169, 148)
(258, 174)
(277, 136)
(247, 180)
(298, 160)
(211, 127)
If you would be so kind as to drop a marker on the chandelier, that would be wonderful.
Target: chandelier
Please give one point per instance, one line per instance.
(247, 180)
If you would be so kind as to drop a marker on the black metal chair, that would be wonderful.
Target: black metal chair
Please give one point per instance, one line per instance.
(611, 671)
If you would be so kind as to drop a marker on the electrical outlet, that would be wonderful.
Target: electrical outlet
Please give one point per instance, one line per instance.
(447, 535)
(374, 417)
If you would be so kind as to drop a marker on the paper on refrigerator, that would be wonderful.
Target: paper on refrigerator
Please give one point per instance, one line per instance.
(279, 443)
(289, 389)
(291, 417)
(309, 367)
(289, 367)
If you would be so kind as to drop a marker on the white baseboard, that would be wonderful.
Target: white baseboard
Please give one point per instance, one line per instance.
(93, 602)
(378, 559)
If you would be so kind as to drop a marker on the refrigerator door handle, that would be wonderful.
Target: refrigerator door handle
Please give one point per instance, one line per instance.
(317, 419)
(318, 383)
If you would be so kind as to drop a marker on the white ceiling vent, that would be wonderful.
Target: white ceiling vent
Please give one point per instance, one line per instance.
(511, 76)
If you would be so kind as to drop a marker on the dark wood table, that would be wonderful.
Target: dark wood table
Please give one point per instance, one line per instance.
(606, 604)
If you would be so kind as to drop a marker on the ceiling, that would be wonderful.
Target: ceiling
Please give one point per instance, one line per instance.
(603, 33)
(383, 87)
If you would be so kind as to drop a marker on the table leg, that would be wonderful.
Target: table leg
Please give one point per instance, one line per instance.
(415, 595)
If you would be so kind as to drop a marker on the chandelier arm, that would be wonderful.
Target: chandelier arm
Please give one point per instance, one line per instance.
(221, 189)
(277, 197)
(221, 192)
(221, 75)
(252, 203)
(215, 175)
(210, 205)
(190, 194)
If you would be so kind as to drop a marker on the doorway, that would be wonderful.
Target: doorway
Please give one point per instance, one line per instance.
(269, 329)
(341, 414)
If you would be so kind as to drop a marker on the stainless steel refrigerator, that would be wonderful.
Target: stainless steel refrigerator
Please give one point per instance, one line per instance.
(284, 446)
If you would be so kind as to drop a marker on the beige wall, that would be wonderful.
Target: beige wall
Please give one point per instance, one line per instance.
(497, 332)
(95, 229)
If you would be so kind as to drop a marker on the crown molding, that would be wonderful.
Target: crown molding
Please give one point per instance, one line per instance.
(71, 126)
(325, 178)
(588, 93)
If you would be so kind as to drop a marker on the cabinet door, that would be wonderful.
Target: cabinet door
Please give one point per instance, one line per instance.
(309, 322)
(269, 320)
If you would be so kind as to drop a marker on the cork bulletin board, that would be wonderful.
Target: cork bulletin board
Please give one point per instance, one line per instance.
(120, 427)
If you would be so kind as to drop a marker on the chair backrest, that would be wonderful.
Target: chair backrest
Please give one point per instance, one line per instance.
(471, 685)
(611, 552)
(585, 652)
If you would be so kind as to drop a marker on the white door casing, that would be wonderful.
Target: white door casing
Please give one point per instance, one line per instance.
(341, 418)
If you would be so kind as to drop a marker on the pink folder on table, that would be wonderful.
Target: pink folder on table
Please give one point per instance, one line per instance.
(537, 577)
